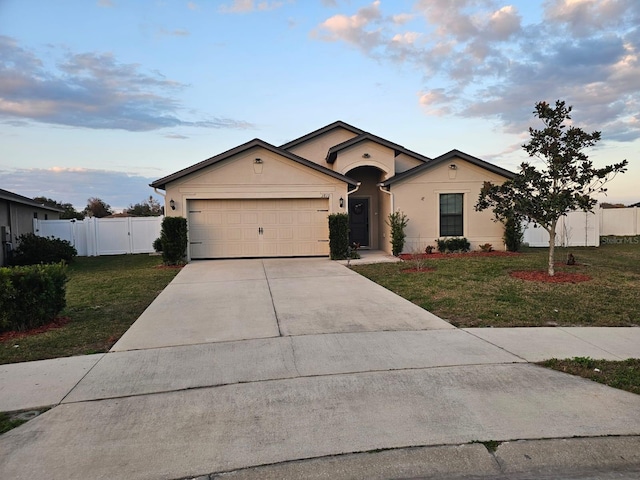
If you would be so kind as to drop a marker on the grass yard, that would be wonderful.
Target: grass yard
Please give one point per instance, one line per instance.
(624, 375)
(473, 291)
(105, 295)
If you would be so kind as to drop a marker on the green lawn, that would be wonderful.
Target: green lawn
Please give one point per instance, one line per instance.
(476, 291)
(624, 375)
(105, 295)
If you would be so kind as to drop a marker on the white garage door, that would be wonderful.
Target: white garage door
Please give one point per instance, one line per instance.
(258, 228)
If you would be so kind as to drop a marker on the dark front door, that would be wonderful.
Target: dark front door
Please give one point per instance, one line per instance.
(359, 221)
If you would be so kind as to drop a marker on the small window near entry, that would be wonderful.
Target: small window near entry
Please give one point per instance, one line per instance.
(451, 214)
(46, 216)
(35, 215)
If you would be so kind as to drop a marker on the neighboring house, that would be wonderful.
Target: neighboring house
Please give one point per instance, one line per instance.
(259, 200)
(16, 218)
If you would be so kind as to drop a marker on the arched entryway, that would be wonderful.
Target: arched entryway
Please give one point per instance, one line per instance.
(366, 208)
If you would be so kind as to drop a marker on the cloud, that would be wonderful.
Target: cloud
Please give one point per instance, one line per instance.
(481, 60)
(76, 185)
(105, 3)
(176, 136)
(192, 6)
(355, 29)
(91, 90)
(247, 6)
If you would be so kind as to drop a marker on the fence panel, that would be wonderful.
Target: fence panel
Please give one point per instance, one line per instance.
(620, 221)
(112, 237)
(104, 236)
(144, 231)
(576, 229)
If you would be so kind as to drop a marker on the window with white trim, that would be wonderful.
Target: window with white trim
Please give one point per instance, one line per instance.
(451, 214)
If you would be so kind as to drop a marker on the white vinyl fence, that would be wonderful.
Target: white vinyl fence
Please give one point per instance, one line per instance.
(580, 229)
(93, 237)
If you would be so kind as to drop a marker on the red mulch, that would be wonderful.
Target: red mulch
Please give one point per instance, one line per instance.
(436, 255)
(56, 323)
(416, 270)
(543, 276)
(165, 267)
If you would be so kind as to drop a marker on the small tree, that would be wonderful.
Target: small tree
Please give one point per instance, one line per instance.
(97, 208)
(565, 183)
(398, 222)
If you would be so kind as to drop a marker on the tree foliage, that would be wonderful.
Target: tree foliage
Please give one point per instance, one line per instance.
(148, 208)
(97, 208)
(69, 210)
(567, 180)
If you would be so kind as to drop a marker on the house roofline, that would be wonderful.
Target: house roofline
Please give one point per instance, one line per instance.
(256, 142)
(321, 131)
(398, 149)
(14, 197)
(446, 157)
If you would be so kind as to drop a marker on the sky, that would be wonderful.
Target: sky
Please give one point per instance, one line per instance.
(100, 98)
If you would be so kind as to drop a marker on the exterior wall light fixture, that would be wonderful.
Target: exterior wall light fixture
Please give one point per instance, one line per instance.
(258, 161)
(366, 155)
(341, 202)
(172, 204)
(453, 166)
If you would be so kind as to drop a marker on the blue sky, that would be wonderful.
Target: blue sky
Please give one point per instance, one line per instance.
(99, 98)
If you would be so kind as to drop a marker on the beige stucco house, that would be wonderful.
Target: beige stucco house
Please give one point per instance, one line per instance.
(259, 200)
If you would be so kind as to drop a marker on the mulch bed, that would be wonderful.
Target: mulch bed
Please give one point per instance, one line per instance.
(543, 276)
(168, 267)
(437, 255)
(14, 335)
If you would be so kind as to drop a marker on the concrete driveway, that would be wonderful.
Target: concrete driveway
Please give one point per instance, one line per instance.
(224, 300)
(289, 368)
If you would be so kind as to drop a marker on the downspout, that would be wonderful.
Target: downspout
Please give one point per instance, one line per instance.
(354, 190)
(388, 192)
(164, 196)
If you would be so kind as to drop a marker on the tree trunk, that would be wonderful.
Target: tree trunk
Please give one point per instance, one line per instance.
(552, 247)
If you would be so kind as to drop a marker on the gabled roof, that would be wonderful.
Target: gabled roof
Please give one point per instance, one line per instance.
(445, 158)
(398, 149)
(321, 131)
(256, 142)
(14, 197)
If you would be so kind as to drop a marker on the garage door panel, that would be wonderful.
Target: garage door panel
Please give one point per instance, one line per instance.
(258, 227)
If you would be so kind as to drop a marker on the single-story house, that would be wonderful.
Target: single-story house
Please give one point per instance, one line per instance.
(16, 218)
(260, 200)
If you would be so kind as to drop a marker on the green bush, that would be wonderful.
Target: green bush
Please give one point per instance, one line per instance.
(398, 222)
(33, 249)
(455, 244)
(338, 235)
(31, 295)
(513, 234)
(173, 237)
(157, 244)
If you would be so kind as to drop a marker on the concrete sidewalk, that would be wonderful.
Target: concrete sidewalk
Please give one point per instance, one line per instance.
(241, 364)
